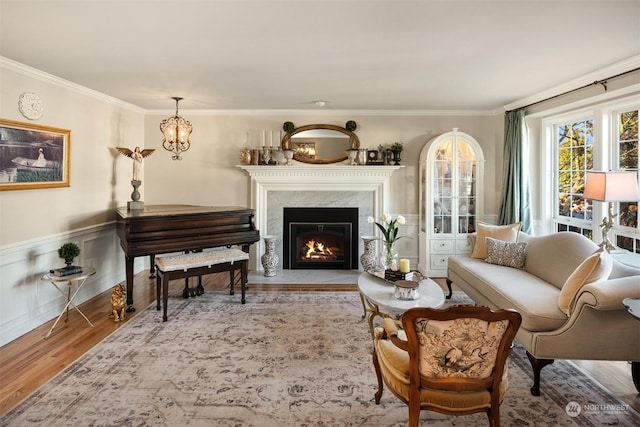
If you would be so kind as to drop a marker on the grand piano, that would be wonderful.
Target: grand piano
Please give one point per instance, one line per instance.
(159, 229)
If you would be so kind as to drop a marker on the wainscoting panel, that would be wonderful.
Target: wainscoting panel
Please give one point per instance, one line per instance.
(26, 302)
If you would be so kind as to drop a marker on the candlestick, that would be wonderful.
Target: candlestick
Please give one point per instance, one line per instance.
(405, 266)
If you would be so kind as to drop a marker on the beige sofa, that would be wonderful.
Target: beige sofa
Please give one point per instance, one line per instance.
(599, 327)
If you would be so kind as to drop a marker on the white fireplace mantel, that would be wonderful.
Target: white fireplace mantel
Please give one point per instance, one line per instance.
(374, 179)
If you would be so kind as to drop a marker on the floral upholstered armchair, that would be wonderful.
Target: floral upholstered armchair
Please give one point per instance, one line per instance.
(453, 361)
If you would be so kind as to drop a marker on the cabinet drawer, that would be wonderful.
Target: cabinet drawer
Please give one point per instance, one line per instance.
(443, 246)
(439, 261)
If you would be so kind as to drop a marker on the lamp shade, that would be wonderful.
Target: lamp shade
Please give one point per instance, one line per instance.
(612, 186)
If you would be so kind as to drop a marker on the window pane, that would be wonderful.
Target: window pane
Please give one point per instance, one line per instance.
(575, 156)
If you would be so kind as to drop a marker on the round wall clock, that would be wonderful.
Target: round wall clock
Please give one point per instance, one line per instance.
(30, 105)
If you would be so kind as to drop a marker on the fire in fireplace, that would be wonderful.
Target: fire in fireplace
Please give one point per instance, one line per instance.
(320, 238)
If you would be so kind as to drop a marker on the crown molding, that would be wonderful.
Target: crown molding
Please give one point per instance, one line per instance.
(17, 67)
(611, 70)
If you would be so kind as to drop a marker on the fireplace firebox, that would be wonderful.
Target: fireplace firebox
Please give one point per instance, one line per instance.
(320, 238)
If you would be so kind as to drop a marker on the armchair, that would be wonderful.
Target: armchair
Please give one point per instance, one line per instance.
(453, 361)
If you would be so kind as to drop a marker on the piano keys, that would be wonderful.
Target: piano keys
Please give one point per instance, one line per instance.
(159, 229)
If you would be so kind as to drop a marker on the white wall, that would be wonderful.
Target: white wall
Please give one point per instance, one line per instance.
(34, 223)
(208, 173)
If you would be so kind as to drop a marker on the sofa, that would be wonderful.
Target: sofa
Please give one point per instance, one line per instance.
(585, 321)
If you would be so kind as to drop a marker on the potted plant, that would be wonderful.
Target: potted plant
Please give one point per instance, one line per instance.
(396, 149)
(68, 252)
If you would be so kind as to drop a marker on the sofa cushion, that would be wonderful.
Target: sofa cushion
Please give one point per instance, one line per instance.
(595, 267)
(507, 233)
(509, 254)
(503, 287)
(554, 257)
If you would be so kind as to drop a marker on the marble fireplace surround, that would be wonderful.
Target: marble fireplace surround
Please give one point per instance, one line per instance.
(274, 187)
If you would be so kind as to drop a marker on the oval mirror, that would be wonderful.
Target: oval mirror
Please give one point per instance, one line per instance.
(320, 144)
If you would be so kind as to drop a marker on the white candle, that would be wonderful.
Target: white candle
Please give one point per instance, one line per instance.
(264, 136)
(271, 143)
(404, 265)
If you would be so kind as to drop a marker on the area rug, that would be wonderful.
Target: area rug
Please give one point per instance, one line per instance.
(282, 359)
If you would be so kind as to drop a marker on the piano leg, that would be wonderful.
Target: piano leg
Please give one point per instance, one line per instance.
(128, 261)
(152, 266)
(200, 288)
(186, 292)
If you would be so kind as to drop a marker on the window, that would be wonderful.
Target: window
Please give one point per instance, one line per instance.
(625, 138)
(601, 138)
(574, 147)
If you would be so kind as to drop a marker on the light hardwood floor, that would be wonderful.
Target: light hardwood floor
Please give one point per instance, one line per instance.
(29, 361)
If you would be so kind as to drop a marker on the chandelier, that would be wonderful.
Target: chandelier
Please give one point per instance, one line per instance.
(175, 131)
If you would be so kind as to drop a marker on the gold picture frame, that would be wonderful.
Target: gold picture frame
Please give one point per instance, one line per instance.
(33, 156)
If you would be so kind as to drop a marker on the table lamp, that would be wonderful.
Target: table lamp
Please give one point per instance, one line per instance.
(611, 186)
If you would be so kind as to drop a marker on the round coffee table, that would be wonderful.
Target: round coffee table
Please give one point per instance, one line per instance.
(377, 298)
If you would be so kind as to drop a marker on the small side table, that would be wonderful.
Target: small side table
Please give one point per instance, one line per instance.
(80, 278)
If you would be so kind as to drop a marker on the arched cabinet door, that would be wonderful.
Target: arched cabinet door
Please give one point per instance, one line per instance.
(451, 198)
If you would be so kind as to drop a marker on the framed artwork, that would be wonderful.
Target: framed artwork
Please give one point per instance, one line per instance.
(33, 156)
(306, 149)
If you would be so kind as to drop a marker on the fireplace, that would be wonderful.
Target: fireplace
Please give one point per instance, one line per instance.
(320, 238)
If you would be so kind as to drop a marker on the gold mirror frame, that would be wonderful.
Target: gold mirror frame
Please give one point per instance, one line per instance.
(353, 138)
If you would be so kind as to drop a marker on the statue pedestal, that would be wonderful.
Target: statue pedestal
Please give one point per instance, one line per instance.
(135, 204)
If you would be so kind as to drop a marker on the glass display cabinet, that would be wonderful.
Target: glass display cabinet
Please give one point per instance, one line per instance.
(451, 174)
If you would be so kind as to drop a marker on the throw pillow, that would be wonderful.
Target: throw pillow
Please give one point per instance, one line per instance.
(507, 233)
(508, 254)
(591, 269)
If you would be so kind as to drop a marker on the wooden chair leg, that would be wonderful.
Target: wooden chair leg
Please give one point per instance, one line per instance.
(376, 366)
(414, 414)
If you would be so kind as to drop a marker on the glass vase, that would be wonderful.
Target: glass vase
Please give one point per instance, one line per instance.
(389, 259)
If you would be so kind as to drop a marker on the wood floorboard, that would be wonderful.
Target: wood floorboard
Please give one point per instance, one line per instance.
(29, 361)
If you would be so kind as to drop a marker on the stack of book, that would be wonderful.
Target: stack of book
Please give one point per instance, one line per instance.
(66, 271)
(392, 276)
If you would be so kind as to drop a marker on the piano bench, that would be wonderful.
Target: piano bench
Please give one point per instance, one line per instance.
(199, 264)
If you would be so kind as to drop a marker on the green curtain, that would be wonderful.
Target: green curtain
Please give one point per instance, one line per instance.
(515, 203)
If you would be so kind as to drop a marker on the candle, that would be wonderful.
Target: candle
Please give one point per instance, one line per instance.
(271, 134)
(404, 265)
(263, 136)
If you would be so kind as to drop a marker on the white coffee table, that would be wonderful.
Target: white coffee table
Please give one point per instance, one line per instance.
(377, 298)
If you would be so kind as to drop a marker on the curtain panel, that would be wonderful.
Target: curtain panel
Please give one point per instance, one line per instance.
(515, 203)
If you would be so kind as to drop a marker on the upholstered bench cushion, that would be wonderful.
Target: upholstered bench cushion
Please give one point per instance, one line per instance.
(200, 259)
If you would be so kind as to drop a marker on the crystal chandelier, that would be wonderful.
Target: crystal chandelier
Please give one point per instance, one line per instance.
(175, 131)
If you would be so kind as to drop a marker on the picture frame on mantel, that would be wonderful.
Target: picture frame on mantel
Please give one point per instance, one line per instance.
(33, 156)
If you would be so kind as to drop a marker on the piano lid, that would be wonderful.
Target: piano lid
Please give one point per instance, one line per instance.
(169, 210)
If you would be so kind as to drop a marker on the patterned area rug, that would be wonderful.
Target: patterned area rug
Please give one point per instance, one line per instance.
(283, 359)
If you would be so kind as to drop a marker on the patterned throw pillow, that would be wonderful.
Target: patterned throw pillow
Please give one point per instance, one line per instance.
(508, 233)
(508, 254)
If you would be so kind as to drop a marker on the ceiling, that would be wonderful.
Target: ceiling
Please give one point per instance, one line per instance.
(353, 54)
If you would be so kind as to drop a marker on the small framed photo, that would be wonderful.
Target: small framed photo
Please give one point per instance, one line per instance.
(33, 156)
